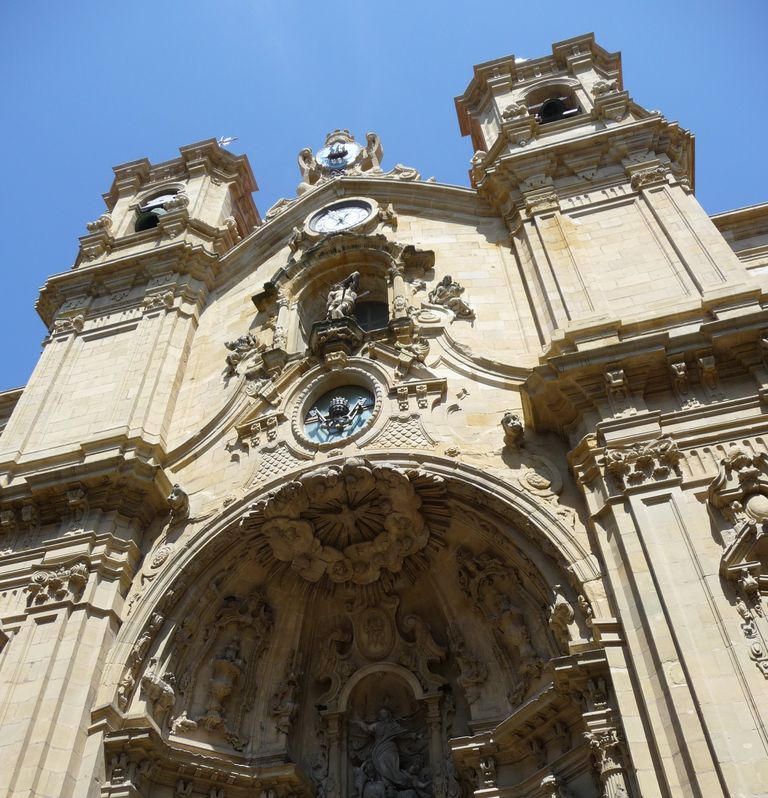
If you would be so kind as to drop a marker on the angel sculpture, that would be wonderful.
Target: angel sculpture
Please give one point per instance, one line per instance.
(374, 152)
(308, 170)
(385, 771)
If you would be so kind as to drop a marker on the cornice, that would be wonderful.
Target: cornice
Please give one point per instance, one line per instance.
(606, 371)
(180, 258)
(121, 473)
(502, 171)
(408, 196)
(140, 173)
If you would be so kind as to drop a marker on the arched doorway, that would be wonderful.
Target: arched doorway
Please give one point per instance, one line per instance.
(372, 627)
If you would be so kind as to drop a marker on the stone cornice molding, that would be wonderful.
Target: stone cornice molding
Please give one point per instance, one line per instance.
(120, 473)
(137, 752)
(117, 277)
(568, 387)
(504, 170)
(133, 176)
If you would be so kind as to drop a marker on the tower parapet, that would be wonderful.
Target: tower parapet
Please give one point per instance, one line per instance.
(202, 197)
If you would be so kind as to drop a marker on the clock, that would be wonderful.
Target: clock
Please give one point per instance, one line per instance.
(340, 216)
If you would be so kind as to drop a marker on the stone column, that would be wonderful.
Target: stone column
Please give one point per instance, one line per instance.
(52, 666)
(643, 527)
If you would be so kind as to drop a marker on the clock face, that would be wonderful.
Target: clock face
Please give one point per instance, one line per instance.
(339, 155)
(339, 414)
(340, 216)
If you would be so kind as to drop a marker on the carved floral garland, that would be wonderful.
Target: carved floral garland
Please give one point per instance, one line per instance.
(348, 522)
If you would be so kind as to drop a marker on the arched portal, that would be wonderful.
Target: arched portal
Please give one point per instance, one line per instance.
(372, 627)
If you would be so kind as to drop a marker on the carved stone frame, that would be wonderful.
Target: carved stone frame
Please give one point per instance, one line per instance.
(327, 382)
(367, 225)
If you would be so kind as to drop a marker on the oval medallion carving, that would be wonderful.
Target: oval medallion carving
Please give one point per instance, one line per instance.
(374, 633)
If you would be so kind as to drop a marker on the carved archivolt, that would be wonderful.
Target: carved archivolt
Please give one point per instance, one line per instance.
(349, 523)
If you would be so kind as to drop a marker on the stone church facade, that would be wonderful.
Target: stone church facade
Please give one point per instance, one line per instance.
(404, 489)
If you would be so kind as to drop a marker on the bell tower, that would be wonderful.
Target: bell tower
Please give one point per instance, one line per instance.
(566, 156)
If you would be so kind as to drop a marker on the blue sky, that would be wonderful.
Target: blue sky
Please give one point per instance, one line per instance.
(92, 84)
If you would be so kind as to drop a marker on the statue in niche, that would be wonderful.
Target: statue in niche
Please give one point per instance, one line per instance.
(227, 670)
(509, 619)
(485, 581)
(389, 769)
(342, 297)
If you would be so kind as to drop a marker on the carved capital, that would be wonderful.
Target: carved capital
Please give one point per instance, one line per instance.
(648, 177)
(64, 583)
(542, 201)
(642, 462)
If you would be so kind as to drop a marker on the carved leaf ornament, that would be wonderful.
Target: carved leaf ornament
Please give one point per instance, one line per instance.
(349, 522)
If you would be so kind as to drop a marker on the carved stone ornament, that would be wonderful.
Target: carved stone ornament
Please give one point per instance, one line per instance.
(681, 384)
(473, 672)
(514, 429)
(158, 690)
(634, 465)
(226, 660)
(740, 489)
(325, 384)
(618, 392)
(542, 200)
(489, 584)
(342, 297)
(284, 704)
(601, 87)
(64, 583)
(103, 223)
(515, 111)
(342, 156)
(606, 750)
(243, 348)
(648, 177)
(349, 523)
(178, 501)
(68, 324)
(561, 616)
(447, 293)
(158, 301)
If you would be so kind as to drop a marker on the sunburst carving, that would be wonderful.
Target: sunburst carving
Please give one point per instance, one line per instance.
(351, 523)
